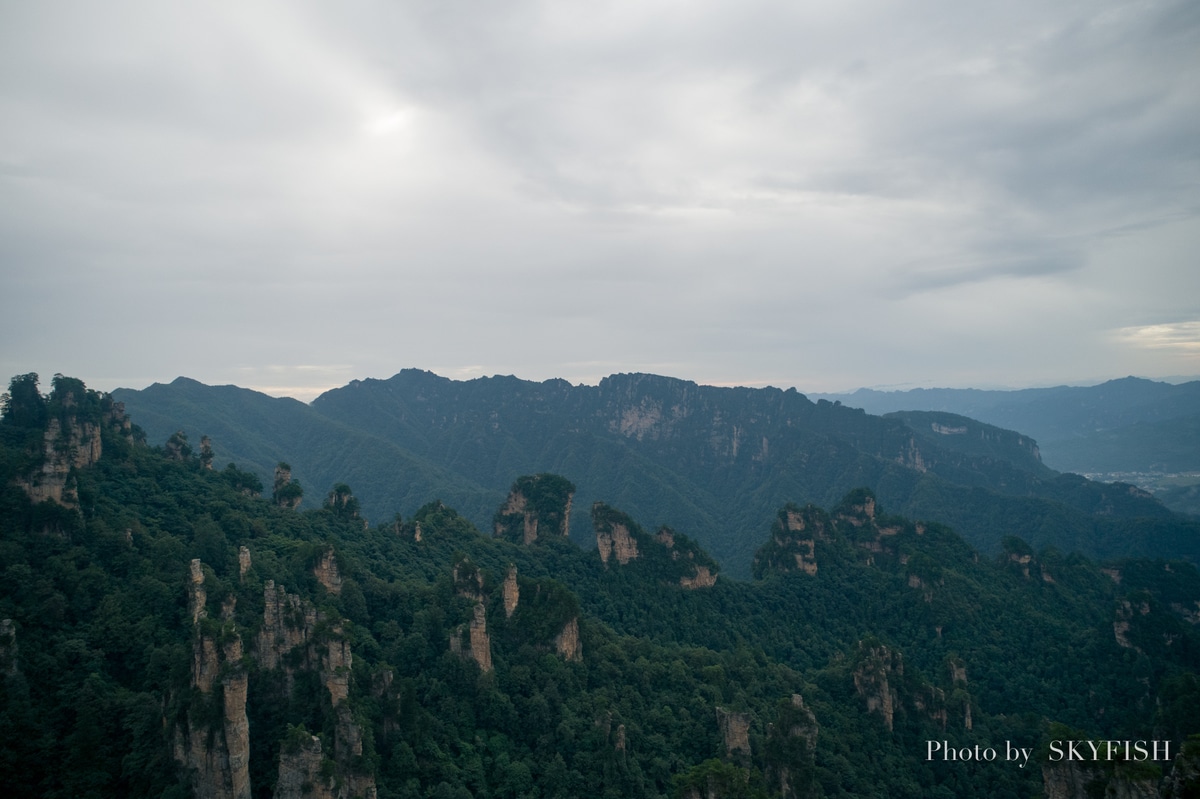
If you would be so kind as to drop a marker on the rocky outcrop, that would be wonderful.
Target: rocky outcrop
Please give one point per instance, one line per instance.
(327, 573)
(467, 580)
(286, 492)
(791, 742)
(295, 637)
(335, 666)
(793, 542)
(288, 623)
(1077, 780)
(511, 592)
(699, 571)
(1184, 780)
(613, 535)
(68, 444)
(217, 759)
(300, 771)
(617, 541)
(537, 504)
(481, 643)
(567, 643)
(243, 563)
(478, 643)
(206, 453)
(703, 578)
(872, 681)
(735, 733)
(1066, 780)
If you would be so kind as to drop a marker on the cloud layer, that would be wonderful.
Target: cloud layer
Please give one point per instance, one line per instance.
(826, 196)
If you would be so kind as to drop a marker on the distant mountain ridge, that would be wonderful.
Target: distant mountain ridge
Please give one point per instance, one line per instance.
(1126, 425)
(713, 462)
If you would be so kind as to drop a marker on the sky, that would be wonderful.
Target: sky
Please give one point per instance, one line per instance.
(827, 195)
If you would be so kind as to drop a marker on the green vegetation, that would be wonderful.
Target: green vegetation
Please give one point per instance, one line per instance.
(713, 462)
(837, 676)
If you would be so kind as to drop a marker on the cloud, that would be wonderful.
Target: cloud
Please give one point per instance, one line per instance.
(725, 190)
(1183, 336)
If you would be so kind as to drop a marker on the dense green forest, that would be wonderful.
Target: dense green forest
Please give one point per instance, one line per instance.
(175, 626)
(711, 461)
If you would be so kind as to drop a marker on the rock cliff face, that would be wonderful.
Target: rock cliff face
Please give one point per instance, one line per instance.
(1075, 780)
(327, 573)
(680, 549)
(537, 505)
(72, 441)
(567, 642)
(300, 772)
(793, 542)
(871, 681)
(613, 535)
(512, 592)
(478, 643)
(243, 563)
(791, 742)
(735, 733)
(217, 759)
(295, 637)
(481, 643)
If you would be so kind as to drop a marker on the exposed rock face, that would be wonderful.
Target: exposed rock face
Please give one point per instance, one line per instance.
(794, 536)
(617, 541)
(735, 732)
(467, 579)
(197, 596)
(478, 643)
(481, 644)
(1121, 625)
(1185, 774)
(288, 623)
(218, 760)
(336, 667)
(1065, 780)
(511, 591)
(243, 563)
(958, 672)
(327, 574)
(788, 766)
(285, 493)
(300, 772)
(872, 683)
(703, 579)
(291, 624)
(1074, 780)
(567, 643)
(206, 452)
(701, 575)
(537, 505)
(74, 445)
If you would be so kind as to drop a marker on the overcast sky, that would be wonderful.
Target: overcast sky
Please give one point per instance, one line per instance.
(825, 195)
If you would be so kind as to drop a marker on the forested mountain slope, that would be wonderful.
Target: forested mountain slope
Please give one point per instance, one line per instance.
(713, 460)
(167, 632)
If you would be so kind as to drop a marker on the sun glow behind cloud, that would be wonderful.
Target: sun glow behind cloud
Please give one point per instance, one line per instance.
(1176, 335)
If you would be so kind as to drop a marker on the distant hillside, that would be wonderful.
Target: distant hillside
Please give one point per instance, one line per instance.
(712, 462)
(1126, 425)
(257, 432)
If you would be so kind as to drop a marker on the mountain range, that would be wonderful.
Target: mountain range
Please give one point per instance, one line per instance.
(713, 462)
